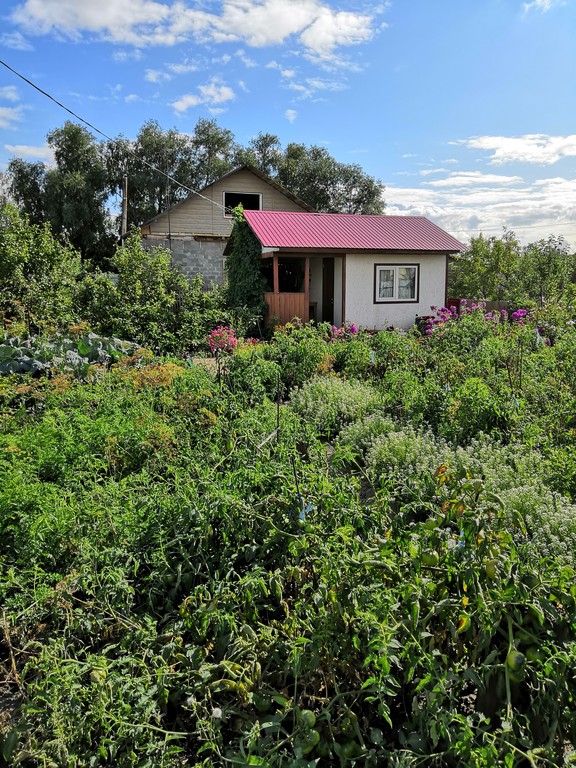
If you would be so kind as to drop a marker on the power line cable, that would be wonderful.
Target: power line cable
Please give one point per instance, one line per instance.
(109, 138)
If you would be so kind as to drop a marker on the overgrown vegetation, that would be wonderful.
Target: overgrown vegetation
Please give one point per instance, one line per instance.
(344, 549)
(501, 269)
(45, 288)
(245, 282)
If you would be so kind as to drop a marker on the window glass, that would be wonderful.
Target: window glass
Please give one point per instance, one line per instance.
(386, 284)
(406, 282)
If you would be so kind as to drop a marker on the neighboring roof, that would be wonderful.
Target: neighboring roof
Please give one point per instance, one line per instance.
(349, 231)
(255, 171)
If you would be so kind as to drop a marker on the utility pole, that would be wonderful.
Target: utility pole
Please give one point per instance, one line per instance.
(124, 226)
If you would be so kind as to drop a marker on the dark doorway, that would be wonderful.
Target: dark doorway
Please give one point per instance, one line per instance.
(328, 290)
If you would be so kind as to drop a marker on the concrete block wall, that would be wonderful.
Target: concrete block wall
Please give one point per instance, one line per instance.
(195, 258)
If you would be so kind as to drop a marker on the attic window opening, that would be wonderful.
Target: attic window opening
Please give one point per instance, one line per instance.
(250, 201)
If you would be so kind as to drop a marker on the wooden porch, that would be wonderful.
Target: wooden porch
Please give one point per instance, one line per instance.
(284, 306)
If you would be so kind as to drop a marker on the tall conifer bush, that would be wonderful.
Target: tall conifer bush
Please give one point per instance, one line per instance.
(246, 285)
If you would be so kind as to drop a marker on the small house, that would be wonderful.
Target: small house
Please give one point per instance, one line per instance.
(374, 270)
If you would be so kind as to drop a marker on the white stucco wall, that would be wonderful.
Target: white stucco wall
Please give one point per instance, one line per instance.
(360, 307)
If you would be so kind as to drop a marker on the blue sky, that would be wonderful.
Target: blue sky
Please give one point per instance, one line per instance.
(464, 109)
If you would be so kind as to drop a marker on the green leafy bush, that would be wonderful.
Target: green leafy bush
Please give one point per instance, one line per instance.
(301, 351)
(189, 575)
(38, 276)
(150, 303)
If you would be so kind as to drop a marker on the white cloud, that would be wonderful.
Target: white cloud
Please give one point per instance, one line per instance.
(257, 23)
(246, 60)
(430, 171)
(16, 41)
(537, 148)
(157, 76)
(9, 93)
(533, 211)
(540, 5)
(471, 178)
(211, 94)
(313, 85)
(10, 116)
(44, 152)
(290, 115)
(182, 69)
(132, 98)
(331, 29)
(123, 56)
(288, 73)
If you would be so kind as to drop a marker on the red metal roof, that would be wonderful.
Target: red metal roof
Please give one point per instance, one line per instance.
(349, 231)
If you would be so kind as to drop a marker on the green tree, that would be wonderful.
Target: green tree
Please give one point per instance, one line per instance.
(487, 269)
(547, 269)
(150, 191)
(5, 193)
(214, 150)
(263, 152)
(149, 301)
(500, 269)
(38, 274)
(27, 187)
(76, 193)
(327, 185)
(314, 175)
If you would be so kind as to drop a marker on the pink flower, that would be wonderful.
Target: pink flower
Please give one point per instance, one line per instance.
(222, 339)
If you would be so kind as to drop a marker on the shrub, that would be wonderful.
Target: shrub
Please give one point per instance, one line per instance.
(352, 358)
(327, 404)
(150, 303)
(251, 375)
(300, 351)
(405, 461)
(359, 436)
(38, 275)
(473, 407)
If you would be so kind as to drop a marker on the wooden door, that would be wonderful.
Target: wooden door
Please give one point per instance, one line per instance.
(328, 290)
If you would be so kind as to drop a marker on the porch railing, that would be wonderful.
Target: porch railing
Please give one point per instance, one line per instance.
(285, 306)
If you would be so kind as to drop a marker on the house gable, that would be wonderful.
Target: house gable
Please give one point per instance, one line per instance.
(196, 230)
(205, 214)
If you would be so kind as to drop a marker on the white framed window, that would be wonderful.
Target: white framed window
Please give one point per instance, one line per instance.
(252, 201)
(396, 283)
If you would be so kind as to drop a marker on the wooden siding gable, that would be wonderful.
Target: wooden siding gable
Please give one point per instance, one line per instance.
(205, 216)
